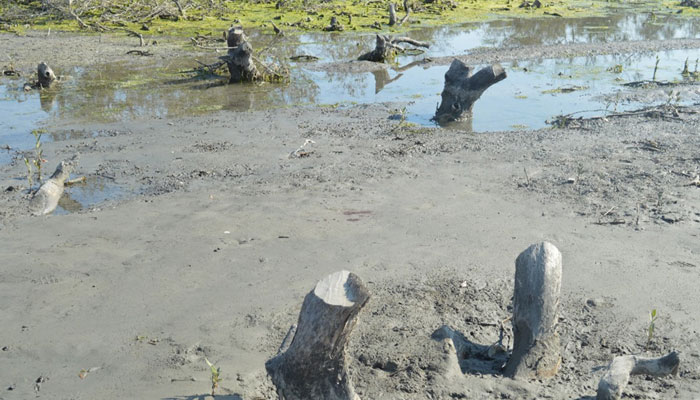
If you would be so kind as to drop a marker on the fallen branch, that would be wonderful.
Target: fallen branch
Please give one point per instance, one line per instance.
(615, 379)
(142, 43)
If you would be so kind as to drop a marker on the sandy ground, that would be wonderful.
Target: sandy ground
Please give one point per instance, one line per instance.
(220, 234)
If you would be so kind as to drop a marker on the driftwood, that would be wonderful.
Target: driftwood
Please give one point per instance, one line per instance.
(462, 90)
(386, 48)
(240, 61)
(615, 380)
(46, 198)
(536, 347)
(45, 75)
(314, 365)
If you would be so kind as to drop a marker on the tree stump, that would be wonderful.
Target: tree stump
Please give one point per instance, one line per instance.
(615, 380)
(314, 365)
(462, 90)
(46, 198)
(386, 48)
(536, 348)
(240, 61)
(392, 14)
(382, 50)
(334, 26)
(45, 75)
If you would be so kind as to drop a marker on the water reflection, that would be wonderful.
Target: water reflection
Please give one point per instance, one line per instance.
(123, 91)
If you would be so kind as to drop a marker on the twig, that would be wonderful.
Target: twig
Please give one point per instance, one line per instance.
(75, 181)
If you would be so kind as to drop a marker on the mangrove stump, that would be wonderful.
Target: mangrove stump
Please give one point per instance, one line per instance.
(240, 61)
(314, 365)
(46, 198)
(386, 48)
(536, 347)
(462, 90)
(45, 75)
(615, 379)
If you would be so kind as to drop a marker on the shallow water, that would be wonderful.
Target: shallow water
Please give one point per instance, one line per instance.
(530, 95)
(82, 196)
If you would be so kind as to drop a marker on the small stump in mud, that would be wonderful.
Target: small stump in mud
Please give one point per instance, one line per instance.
(615, 380)
(314, 365)
(45, 76)
(462, 90)
(536, 346)
(240, 61)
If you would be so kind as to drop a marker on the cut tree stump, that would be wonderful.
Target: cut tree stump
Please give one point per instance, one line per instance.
(615, 380)
(45, 75)
(314, 365)
(392, 14)
(386, 48)
(46, 198)
(334, 26)
(240, 61)
(536, 348)
(462, 90)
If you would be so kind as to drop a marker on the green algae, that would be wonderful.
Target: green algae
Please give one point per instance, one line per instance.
(303, 15)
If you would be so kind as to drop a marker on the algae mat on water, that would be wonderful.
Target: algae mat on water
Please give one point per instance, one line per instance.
(189, 17)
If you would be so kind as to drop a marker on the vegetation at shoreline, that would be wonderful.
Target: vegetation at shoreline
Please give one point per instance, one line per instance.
(187, 17)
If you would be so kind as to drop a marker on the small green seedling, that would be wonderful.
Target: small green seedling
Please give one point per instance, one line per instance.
(650, 330)
(37, 161)
(215, 376)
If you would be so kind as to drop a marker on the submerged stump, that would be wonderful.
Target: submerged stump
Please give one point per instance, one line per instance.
(536, 347)
(386, 48)
(314, 365)
(463, 89)
(240, 61)
(45, 75)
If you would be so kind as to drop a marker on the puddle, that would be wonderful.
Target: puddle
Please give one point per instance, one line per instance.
(84, 196)
(534, 91)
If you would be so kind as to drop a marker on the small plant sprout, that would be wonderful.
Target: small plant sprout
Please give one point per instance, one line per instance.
(215, 376)
(656, 67)
(650, 330)
(37, 160)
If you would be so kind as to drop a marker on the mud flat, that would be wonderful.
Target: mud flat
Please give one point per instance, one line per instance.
(220, 228)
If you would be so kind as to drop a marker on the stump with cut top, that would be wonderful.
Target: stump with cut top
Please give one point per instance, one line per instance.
(463, 88)
(536, 346)
(314, 365)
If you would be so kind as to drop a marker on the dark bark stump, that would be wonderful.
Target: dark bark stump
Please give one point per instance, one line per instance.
(462, 90)
(240, 57)
(382, 50)
(334, 26)
(45, 75)
(314, 366)
(386, 48)
(536, 347)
